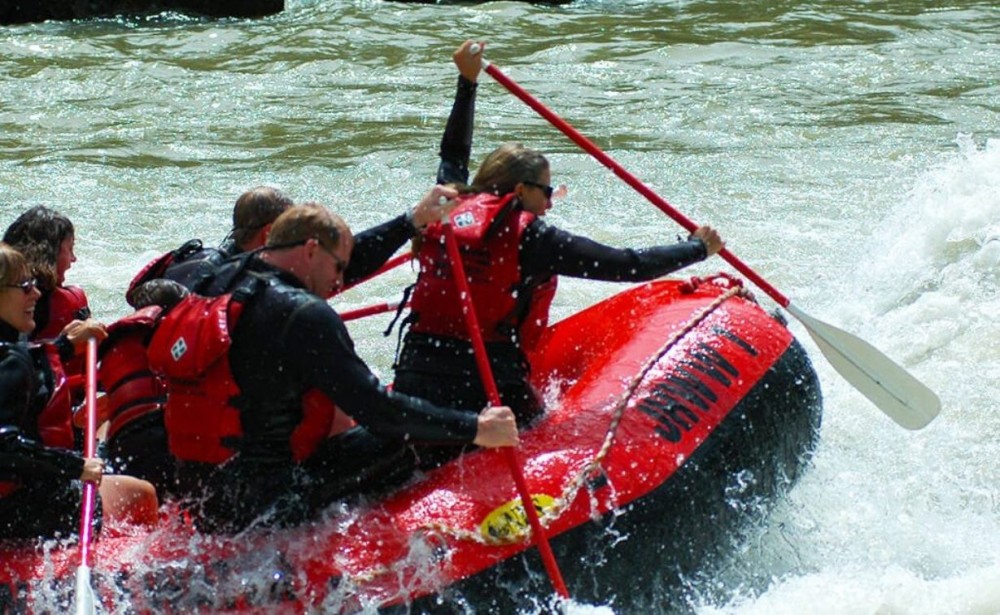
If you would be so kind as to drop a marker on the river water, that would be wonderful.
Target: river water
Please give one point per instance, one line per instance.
(849, 152)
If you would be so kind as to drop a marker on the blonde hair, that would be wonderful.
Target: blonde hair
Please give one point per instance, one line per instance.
(507, 166)
(307, 221)
(13, 265)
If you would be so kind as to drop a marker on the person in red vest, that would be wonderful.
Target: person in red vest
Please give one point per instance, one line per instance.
(47, 239)
(193, 264)
(240, 362)
(136, 440)
(513, 259)
(40, 475)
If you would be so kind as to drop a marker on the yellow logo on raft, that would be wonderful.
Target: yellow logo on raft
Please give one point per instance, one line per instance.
(509, 522)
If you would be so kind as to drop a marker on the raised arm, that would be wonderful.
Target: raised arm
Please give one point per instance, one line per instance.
(456, 143)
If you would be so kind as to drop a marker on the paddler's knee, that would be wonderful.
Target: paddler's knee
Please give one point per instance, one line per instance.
(129, 500)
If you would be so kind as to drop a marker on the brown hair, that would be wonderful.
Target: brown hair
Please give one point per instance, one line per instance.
(507, 166)
(307, 221)
(255, 209)
(38, 234)
(13, 265)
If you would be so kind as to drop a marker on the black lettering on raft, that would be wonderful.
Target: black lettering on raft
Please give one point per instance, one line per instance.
(676, 399)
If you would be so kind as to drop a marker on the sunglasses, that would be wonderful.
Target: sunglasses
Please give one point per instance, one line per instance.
(26, 286)
(341, 264)
(549, 191)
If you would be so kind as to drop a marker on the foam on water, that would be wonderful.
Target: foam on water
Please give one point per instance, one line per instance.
(889, 521)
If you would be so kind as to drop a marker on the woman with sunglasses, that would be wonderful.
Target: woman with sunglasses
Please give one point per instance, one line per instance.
(513, 259)
(40, 477)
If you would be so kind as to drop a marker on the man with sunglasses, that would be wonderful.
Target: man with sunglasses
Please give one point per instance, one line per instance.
(275, 464)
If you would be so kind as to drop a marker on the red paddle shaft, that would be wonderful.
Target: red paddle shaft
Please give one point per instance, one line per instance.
(627, 177)
(392, 263)
(486, 374)
(370, 310)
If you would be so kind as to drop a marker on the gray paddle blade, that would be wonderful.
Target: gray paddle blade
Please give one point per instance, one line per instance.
(906, 400)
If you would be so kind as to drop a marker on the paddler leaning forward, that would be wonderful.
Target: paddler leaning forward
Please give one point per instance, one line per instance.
(241, 429)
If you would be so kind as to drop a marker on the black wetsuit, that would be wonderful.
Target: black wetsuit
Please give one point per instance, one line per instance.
(288, 342)
(46, 502)
(141, 449)
(442, 369)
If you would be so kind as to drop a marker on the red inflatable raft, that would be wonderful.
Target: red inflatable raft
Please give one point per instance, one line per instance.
(675, 409)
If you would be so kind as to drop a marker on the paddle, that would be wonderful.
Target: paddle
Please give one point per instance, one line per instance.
(369, 310)
(891, 388)
(86, 603)
(392, 263)
(486, 374)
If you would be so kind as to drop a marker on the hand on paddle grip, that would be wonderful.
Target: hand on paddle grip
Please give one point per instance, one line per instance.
(496, 427)
(469, 59)
(79, 331)
(710, 237)
(93, 470)
(435, 205)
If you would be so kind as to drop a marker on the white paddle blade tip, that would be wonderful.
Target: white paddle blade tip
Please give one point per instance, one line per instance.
(86, 603)
(906, 400)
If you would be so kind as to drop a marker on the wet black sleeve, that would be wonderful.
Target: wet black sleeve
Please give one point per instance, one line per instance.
(15, 372)
(20, 455)
(28, 458)
(456, 144)
(547, 250)
(328, 361)
(374, 246)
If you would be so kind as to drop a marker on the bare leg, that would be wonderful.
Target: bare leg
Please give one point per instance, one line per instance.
(128, 500)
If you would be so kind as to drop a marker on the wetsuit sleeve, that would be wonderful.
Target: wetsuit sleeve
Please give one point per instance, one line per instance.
(15, 372)
(329, 362)
(374, 246)
(547, 250)
(27, 458)
(20, 455)
(456, 144)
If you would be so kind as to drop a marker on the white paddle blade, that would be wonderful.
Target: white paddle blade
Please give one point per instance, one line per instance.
(86, 603)
(906, 400)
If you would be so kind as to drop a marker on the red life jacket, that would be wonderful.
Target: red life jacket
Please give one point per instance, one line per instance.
(157, 268)
(133, 390)
(537, 318)
(190, 348)
(55, 421)
(66, 304)
(321, 418)
(488, 230)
